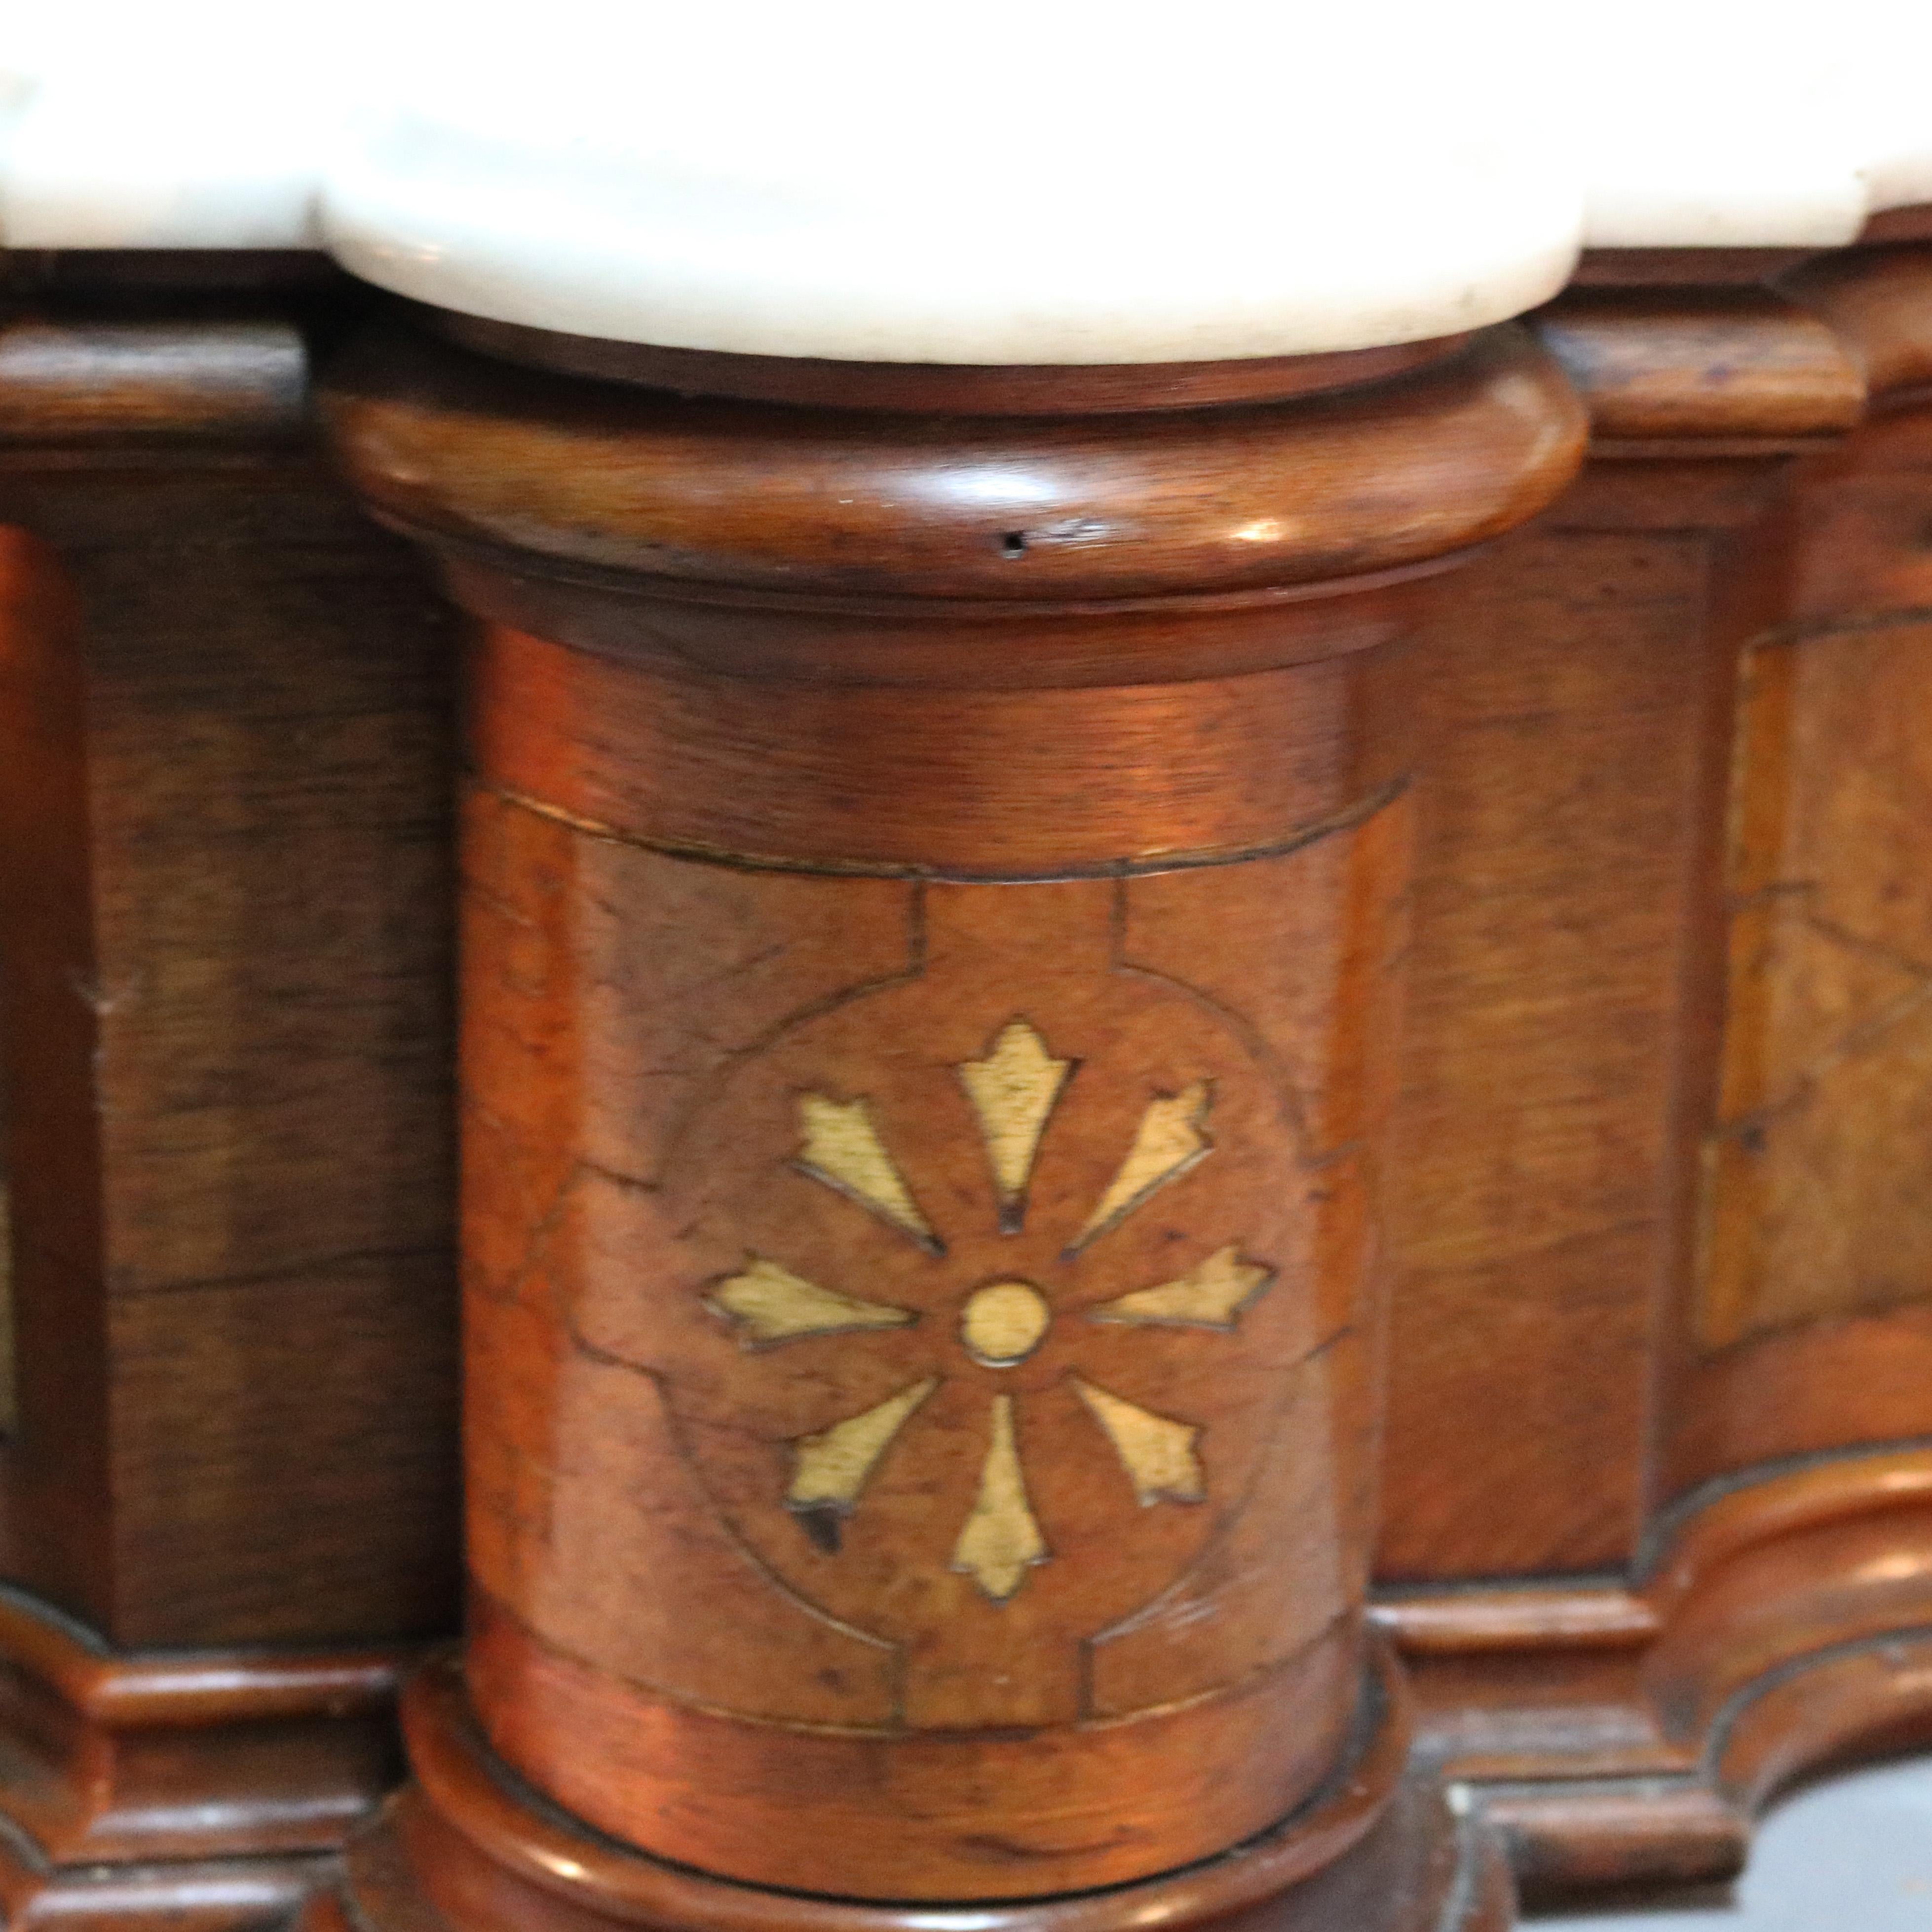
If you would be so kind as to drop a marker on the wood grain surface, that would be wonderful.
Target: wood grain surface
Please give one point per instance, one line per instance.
(935, 880)
(1660, 1274)
(226, 846)
(1576, 1177)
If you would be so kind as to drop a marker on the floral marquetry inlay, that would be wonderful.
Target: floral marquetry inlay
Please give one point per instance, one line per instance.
(1013, 1091)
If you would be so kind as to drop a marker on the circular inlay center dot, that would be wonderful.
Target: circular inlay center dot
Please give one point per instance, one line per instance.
(1004, 1323)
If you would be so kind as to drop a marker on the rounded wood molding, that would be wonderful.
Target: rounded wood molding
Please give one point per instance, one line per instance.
(1802, 349)
(1710, 1528)
(1702, 362)
(569, 477)
(1780, 1632)
(1855, 1701)
(124, 1691)
(136, 1777)
(65, 381)
(990, 1814)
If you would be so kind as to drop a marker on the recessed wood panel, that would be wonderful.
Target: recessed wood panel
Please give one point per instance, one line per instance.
(1802, 1324)
(1815, 1194)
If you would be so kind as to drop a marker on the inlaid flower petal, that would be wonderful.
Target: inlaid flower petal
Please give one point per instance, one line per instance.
(1013, 1091)
(1001, 1540)
(829, 1469)
(1168, 1142)
(767, 1304)
(839, 1144)
(1210, 1295)
(1157, 1453)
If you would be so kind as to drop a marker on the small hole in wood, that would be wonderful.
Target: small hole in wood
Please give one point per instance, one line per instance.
(1013, 544)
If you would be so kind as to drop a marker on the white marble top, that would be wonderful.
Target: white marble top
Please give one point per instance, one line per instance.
(1041, 182)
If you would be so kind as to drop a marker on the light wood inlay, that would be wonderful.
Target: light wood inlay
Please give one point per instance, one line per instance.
(768, 1304)
(1001, 1541)
(1168, 1142)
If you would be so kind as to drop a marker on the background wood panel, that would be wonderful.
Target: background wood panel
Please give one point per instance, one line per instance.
(254, 1271)
(1525, 1200)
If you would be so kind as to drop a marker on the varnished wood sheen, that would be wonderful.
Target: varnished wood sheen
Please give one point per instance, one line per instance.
(225, 839)
(1617, 1738)
(1703, 363)
(201, 1788)
(1631, 739)
(66, 381)
(744, 496)
(828, 777)
(1569, 999)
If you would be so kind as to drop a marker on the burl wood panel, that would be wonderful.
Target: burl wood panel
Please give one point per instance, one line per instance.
(226, 1012)
(1808, 1264)
(1813, 1189)
(967, 1284)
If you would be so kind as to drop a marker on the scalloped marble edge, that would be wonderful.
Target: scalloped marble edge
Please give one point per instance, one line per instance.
(1055, 182)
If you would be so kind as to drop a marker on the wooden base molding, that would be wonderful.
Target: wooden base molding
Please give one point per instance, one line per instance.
(1624, 1736)
(1377, 1849)
(200, 1789)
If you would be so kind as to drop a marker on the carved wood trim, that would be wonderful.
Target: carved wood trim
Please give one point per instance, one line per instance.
(1619, 1735)
(137, 1758)
(150, 1690)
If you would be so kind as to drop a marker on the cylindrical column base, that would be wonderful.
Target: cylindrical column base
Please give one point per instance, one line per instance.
(1376, 1850)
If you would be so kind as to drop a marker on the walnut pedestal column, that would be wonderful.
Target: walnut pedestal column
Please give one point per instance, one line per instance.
(935, 866)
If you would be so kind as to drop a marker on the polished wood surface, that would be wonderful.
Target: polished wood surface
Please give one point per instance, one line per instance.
(1627, 1736)
(1052, 389)
(1378, 1851)
(819, 737)
(1562, 1186)
(831, 776)
(117, 1758)
(741, 497)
